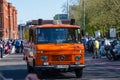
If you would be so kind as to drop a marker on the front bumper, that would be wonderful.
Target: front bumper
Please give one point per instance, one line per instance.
(60, 67)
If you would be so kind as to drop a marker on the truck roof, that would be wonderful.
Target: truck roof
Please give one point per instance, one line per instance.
(56, 26)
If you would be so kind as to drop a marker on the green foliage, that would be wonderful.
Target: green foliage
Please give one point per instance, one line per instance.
(99, 14)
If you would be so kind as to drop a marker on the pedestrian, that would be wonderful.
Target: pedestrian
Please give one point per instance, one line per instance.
(17, 45)
(101, 48)
(106, 42)
(13, 46)
(96, 48)
(107, 45)
(85, 40)
(31, 76)
(21, 47)
(90, 45)
(1, 48)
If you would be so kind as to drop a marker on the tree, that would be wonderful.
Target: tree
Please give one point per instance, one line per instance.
(99, 14)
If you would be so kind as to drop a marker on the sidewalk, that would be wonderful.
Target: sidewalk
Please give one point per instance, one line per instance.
(4, 56)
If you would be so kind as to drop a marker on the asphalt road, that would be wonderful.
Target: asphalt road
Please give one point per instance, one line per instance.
(13, 66)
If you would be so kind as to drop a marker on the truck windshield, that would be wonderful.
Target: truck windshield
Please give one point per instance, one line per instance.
(57, 35)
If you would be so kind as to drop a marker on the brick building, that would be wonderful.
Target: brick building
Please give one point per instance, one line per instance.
(8, 21)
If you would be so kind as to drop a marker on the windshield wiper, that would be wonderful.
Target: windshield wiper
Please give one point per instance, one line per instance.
(70, 41)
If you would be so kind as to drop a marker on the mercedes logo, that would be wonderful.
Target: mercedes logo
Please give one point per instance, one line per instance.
(61, 58)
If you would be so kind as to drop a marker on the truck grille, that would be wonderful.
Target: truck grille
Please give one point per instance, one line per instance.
(61, 57)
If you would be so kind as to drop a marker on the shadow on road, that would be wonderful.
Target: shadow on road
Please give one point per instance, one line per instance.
(18, 74)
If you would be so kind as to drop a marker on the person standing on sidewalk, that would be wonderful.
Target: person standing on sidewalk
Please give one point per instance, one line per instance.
(1, 48)
(17, 45)
(96, 48)
(21, 47)
(85, 40)
(106, 42)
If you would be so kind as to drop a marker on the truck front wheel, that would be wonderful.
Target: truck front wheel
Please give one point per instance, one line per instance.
(78, 73)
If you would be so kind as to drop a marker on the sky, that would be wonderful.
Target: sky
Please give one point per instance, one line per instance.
(35, 9)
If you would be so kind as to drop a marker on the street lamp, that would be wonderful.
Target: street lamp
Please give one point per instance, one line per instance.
(68, 8)
(83, 17)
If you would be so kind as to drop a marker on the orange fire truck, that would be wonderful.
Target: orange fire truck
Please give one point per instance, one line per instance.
(55, 47)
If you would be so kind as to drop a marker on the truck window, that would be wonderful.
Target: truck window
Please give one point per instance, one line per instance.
(57, 35)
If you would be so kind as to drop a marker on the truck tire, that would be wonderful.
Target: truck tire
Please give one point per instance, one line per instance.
(78, 73)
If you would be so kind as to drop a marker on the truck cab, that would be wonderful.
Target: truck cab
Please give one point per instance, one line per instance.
(55, 47)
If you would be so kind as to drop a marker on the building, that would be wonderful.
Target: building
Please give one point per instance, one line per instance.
(21, 28)
(8, 21)
(61, 17)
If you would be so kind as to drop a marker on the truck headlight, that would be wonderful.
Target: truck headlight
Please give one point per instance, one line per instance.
(44, 58)
(77, 58)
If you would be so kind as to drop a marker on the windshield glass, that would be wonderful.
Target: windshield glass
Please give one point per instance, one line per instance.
(57, 35)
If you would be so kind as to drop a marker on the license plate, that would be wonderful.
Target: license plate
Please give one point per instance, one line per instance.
(62, 66)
